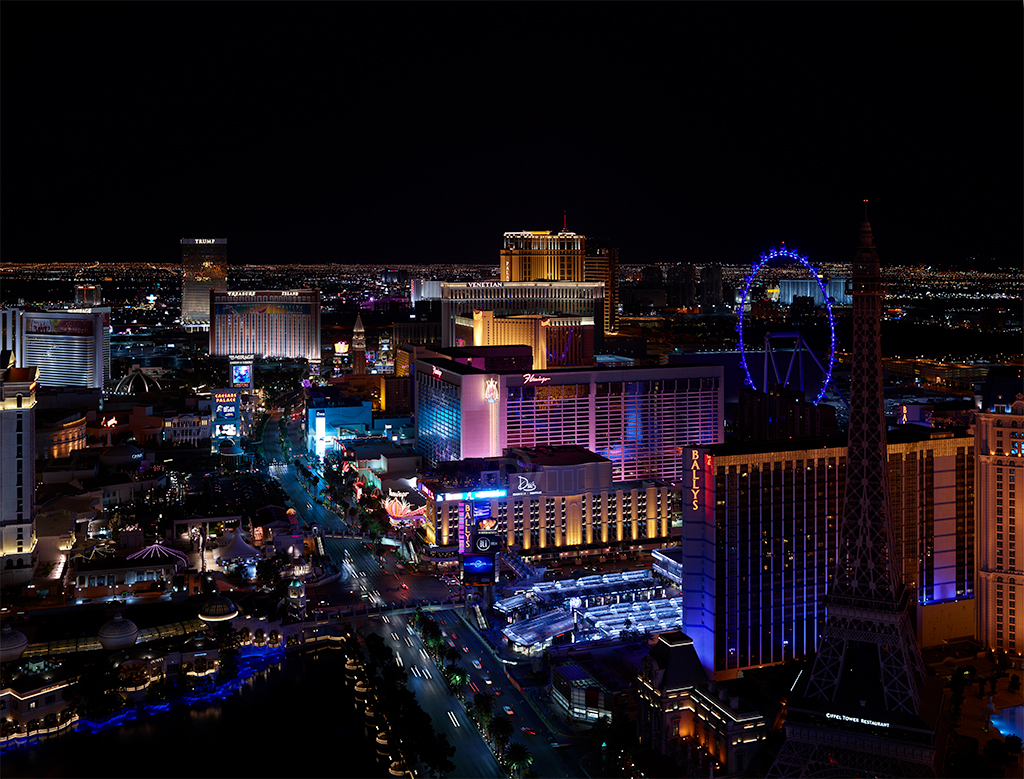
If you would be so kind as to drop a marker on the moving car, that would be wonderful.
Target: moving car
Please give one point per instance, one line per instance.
(476, 665)
(508, 710)
(530, 731)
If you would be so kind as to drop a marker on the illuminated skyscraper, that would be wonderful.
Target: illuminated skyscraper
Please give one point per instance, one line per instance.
(537, 255)
(999, 456)
(359, 348)
(88, 295)
(204, 267)
(642, 419)
(268, 323)
(767, 514)
(601, 263)
(17, 471)
(69, 348)
(584, 300)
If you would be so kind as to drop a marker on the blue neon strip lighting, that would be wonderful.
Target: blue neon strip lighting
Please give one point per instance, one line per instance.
(793, 254)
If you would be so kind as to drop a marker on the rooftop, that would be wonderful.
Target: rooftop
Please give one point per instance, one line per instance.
(555, 455)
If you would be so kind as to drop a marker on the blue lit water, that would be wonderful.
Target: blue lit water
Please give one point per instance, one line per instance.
(1010, 721)
(295, 717)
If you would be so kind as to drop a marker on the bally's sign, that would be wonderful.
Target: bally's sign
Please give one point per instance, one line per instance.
(696, 486)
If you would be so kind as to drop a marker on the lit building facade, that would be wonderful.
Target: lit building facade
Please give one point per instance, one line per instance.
(550, 502)
(555, 341)
(761, 530)
(204, 267)
(268, 323)
(59, 432)
(539, 255)
(999, 460)
(88, 295)
(642, 419)
(70, 348)
(17, 471)
(580, 299)
(601, 263)
(104, 312)
(683, 715)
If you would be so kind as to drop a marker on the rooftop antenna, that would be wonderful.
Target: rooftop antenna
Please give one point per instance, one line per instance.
(865, 209)
(563, 222)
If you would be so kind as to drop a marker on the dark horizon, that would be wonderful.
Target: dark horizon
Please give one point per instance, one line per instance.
(408, 134)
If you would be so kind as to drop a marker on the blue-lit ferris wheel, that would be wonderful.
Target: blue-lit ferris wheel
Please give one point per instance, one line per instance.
(800, 345)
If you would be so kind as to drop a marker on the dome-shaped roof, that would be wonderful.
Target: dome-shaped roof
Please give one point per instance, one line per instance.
(121, 454)
(12, 643)
(218, 609)
(118, 633)
(136, 382)
(230, 446)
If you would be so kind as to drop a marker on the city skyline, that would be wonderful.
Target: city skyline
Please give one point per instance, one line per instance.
(355, 133)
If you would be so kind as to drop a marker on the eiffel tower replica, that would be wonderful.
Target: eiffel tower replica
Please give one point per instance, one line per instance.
(867, 708)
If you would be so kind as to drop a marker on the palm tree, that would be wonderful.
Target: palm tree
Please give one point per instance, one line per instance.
(518, 757)
(483, 703)
(500, 730)
(458, 677)
(451, 655)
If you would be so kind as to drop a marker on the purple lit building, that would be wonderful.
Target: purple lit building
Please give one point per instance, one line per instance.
(761, 528)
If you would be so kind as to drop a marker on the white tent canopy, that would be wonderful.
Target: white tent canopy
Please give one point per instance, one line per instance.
(237, 549)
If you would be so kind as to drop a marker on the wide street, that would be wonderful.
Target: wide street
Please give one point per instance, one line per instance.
(379, 587)
(475, 758)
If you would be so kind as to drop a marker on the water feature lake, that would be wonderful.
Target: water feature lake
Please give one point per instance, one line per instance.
(294, 718)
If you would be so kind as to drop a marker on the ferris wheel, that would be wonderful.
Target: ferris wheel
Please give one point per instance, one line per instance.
(795, 369)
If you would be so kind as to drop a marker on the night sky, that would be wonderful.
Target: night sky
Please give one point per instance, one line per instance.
(419, 133)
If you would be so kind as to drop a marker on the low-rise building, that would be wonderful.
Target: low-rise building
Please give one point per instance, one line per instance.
(683, 715)
(549, 502)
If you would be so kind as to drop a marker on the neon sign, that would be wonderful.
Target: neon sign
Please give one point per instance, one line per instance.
(436, 371)
(491, 391)
(533, 378)
(694, 484)
(858, 720)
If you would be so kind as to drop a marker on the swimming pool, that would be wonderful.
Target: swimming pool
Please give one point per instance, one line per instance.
(1010, 721)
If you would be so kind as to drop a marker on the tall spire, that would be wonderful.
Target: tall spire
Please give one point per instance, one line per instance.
(868, 669)
(867, 241)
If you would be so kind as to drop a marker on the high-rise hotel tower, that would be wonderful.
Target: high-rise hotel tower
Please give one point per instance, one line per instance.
(17, 471)
(204, 266)
(999, 460)
(540, 255)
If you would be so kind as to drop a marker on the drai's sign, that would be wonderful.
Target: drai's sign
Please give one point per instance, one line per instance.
(858, 720)
(525, 486)
(535, 378)
(436, 371)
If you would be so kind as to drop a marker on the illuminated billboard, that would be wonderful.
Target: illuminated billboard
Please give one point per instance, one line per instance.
(230, 430)
(478, 570)
(249, 310)
(241, 375)
(52, 325)
(225, 404)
